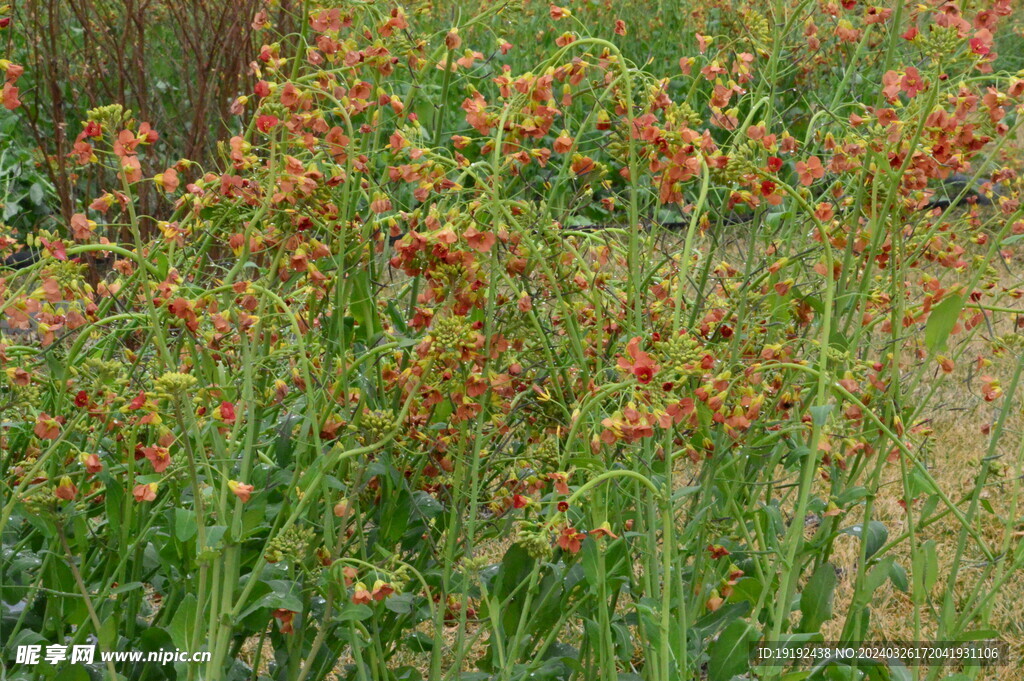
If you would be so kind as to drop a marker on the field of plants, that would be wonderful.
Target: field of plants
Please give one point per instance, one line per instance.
(437, 340)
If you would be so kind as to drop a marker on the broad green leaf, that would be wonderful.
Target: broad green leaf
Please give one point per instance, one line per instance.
(730, 653)
(876, 577)
(877, 535)
(941, 322)
(816, 598)
(184, 524)
(898, 575)
(183, 622)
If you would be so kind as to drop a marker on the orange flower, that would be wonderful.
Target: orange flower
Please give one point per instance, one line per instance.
(240, 490)
(604, 530)
(563, 144)
(360, 595)
(92, 463)
(145, 492)
(479, 241)
(810, 171)
(66, 489)
(167, 180)
(381, 590)
(81, 227)
(10, 96)
(158, 456)
(47, 427)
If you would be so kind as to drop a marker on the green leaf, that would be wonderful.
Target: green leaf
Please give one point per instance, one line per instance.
(214, 542)
(851, 496)
(418, 642)
(877, 534)
(898, 575)
(183, 622)
(130, 586)
(35, 193)
(876, 577)
(729, 654)
(897, 672)
(284, 595)
(748, 589)
(283, 448)
(941, 322)
(402, 604)
(816, 598)
(355, 612)
(184, 524)
(820, 414)
(394, 519)
(363, 308)
(155, 638)
(107, 634)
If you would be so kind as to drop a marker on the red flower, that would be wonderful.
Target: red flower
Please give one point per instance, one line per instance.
(571, 540)
(266, 122)
(10, 97)
(559, 12)
(81, 226)
(167, 180)
(912, 82)
(225, 412)
(561, 481)
(285, 618)
(717, 551)
(605, 530)
(981, 43)
(640, 363)
(160, 457)
(138, 402)
(92, 463)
